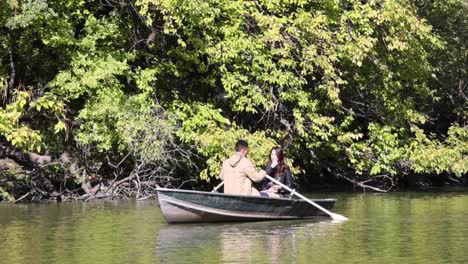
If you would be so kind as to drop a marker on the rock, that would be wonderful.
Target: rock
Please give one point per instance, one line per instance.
(39, 159)
(9, 164)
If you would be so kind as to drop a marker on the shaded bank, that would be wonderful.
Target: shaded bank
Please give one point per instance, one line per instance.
(35, 182)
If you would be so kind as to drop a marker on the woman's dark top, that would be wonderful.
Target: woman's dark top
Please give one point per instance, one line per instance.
(285, 179)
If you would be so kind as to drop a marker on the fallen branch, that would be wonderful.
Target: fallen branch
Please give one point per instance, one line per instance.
(191, 180)
(22, 197)
(115, 184)
(363, 185)
(146, 197)
(99, 196)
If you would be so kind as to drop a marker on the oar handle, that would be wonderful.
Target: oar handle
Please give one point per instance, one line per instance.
(332, 215)
(215, 189)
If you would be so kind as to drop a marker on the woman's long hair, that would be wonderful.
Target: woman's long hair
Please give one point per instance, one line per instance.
(281, 167)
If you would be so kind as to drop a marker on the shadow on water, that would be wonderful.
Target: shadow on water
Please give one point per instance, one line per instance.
(260, 242)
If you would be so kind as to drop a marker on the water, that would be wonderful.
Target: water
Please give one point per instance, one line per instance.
(384, 228)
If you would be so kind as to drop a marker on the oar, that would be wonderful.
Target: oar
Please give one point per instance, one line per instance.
(336, 217)
(217, 187)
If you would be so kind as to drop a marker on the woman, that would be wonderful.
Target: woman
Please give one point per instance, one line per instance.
(277, 169)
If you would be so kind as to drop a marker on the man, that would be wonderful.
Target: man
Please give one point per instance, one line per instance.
(238, 172)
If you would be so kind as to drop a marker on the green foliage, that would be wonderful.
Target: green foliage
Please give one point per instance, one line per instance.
(150, 135)
(10, 174)
(347, 85)
(385, 153)
(31, 12)
(432, 156)
(310, 64)
(18, 133)
(214, 136)
(93, 75)
(379, 154)
(448, 19)
(15, 132)
(5, 195)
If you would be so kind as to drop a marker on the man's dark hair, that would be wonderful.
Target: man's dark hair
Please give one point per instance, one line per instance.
(240, 144)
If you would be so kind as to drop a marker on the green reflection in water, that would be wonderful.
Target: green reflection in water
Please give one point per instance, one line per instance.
(384, 228)
(103, 232)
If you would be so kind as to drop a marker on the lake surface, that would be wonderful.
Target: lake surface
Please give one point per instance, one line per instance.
(383, 228)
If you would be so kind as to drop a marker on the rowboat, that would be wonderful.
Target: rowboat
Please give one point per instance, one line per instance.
(186, 206)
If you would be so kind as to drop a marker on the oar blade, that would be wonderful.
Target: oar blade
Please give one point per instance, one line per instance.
(335, 217)
(338, 217)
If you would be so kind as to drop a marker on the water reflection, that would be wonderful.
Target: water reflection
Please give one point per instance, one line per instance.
(389, 228)
(255, 242)
(98, 232)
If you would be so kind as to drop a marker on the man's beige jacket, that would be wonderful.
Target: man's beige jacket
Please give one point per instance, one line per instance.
(238, 173)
